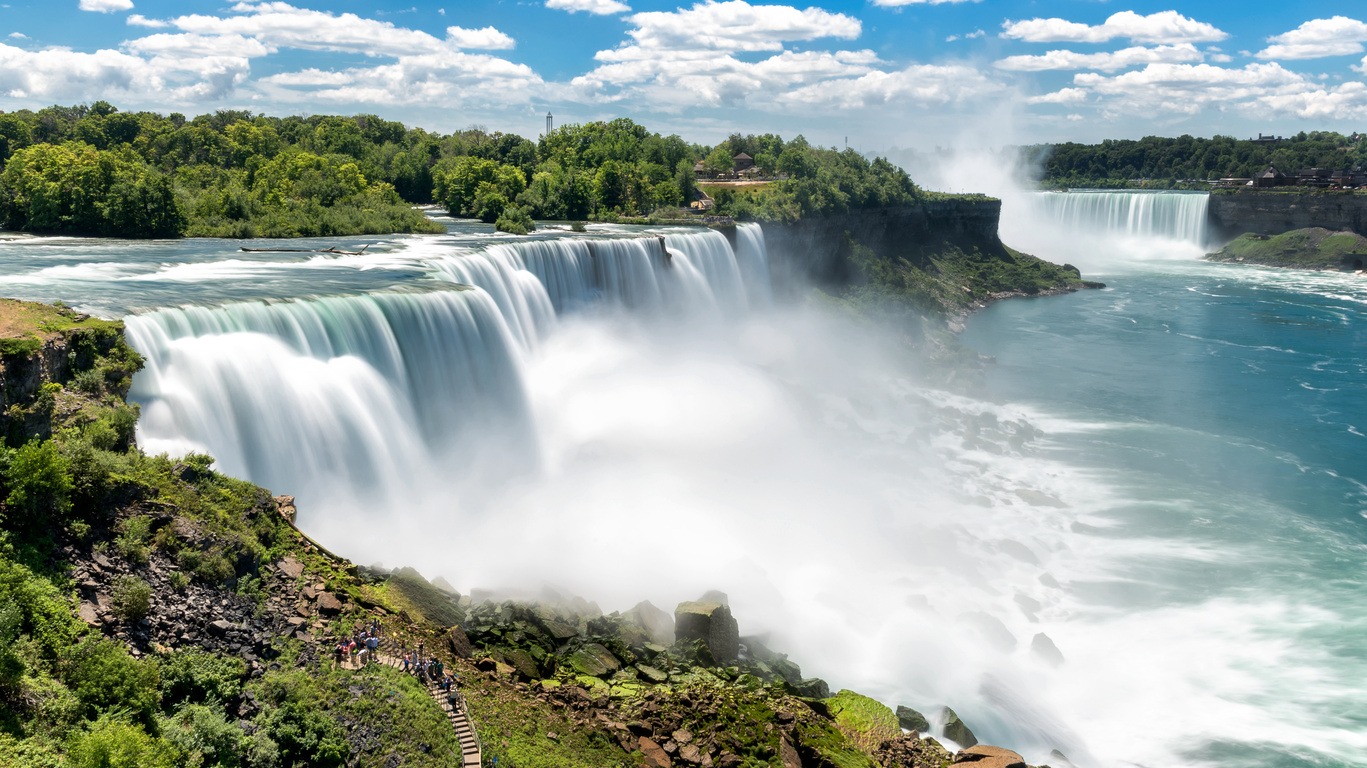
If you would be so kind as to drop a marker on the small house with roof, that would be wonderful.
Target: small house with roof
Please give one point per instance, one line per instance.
(742, 162)
(1270, 178)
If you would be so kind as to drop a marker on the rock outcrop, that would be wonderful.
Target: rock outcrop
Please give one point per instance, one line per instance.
(711, 623)
(1271, 213)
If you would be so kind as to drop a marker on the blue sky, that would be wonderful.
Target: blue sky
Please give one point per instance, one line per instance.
(882, 73)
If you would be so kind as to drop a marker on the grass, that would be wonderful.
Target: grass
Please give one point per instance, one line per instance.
(25, 326)
(1313, 248)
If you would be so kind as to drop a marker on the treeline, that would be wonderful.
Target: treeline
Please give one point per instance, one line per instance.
(96, 170)
(1165, 161)
(816, 180)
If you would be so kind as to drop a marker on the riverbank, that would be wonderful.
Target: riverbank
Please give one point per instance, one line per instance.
(1314, 248)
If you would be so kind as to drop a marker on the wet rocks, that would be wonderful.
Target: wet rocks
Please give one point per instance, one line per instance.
(955, 729)
(912, 720)
(986, 756)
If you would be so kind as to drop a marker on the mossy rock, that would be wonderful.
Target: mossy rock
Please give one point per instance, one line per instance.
(1312, 248)
(594, 660)
(863, 720)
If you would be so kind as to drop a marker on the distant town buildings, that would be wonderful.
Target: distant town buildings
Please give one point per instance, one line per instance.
(1321, 178)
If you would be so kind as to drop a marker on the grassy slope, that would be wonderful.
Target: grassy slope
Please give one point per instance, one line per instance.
(1313, 248)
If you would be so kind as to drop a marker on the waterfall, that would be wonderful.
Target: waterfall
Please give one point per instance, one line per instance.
(402, 395)
(1177, 216)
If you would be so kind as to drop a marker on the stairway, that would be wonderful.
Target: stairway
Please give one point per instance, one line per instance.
(470, 748)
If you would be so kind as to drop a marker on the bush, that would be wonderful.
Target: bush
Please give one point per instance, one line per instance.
(103, 676)
(198, 677)
(39, 482)
(134, 532)
(515, 220)
(205, 736)
(112, 742)
(132, 599)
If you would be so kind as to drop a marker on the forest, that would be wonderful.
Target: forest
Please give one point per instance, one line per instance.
(1162, 162)
(94, 170)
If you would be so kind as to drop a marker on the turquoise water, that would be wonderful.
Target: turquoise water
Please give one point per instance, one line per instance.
(1220, 407)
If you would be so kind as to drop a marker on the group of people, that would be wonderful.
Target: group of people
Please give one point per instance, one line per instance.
(361, 648)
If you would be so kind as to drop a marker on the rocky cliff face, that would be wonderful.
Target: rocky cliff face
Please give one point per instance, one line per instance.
(1272, 213)
(817, 249)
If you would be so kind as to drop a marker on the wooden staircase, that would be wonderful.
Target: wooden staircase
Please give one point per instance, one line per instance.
(472, 752)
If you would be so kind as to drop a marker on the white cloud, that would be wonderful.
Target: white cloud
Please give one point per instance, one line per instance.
(309, 77)
(486, 38)
(1258, 90)
(1062, 96)
(138, 20)
(58, 74)
(452, 79)
(18, 36)
(737, 25)
(1161, 27)
(1105, 62)
(1318, 38)
(918, 85)
(106, 6)
(599, 7)
(974, 35)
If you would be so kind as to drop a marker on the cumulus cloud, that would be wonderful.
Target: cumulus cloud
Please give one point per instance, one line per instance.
(1318, 38)
(1105, 62)
(916, 85)
(737, 25)
(598, 7)
(106, 6)
(1162, 27)
(1257, 90)
(974, 35)
(18, 36)
(138, 20)
(486, 38)
(1061, 96)
(58, 74)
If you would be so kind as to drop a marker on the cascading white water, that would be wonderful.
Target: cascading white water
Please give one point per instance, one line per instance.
(1098, 230)
(1166, 215)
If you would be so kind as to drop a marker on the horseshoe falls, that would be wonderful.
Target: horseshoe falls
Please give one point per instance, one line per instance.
(1140, 541)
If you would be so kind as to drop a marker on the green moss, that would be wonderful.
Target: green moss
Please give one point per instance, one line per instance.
(865, 721)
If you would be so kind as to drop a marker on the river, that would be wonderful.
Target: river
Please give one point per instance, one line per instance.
(1143, 543)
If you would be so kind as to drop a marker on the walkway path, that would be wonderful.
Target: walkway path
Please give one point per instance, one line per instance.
(470, 748)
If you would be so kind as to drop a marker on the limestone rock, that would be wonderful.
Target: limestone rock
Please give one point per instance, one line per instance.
(291, 568)
(651, 674)
(956, 731)
(522, 661)
(813, 688)
(986, 756)
(712, 623)
(460, 643)
(788, 755)
(912, 720)
(657, 624)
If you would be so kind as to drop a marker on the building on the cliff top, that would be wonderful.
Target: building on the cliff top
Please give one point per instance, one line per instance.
(743, 161)
(1270, 178)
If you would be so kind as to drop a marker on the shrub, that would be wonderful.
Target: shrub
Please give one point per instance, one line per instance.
(515, 220)
(103, 676)
(198, 677)
(179, 581)
(205, 736)
(134, 532)
(112, 742)
(39, 483)
(132, 599)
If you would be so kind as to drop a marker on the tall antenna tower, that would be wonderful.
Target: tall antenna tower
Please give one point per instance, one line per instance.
(549, 120)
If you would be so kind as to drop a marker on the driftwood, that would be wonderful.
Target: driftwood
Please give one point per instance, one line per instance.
(333, 249)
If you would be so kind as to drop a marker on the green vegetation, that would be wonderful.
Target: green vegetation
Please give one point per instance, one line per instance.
(865, 721)
(97, 171)
(1313, 248)
(1164, 162)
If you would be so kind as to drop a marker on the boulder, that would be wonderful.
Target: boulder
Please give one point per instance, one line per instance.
(460, 643)
(523, 662)
(328, 604)
(651, 674)
(656, 623)
(291, 568)
(594, 660)
(986, 756)
(655, 755)
(712, 623)
(912, 720)
(813, 688)
(955, 729)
